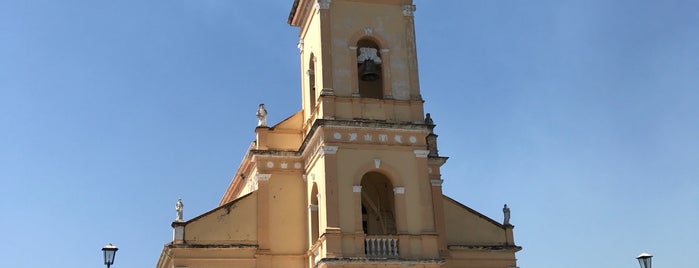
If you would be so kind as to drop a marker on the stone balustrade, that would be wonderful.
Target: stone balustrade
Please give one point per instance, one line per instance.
(381, 246)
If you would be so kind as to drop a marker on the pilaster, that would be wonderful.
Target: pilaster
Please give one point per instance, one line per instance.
(440, 224)
(408, 11)
(263, 217)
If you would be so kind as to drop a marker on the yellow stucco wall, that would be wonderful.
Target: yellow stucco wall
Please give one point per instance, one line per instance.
(467, 228)
(287, 212)
(235, 222)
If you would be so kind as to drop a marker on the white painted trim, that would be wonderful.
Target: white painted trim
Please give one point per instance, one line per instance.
(421, 153)
(178, 233)
(328, 150)
(262, 177)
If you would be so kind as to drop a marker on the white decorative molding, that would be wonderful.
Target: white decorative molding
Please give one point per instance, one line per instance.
(352, 136)
(384, 50)
(284, 165)
(383, 137)
(337, 135)
(399, 190)
(328, 150)
(368, 53)
(297, 165)
(313, 207)
(436, 182)
(323, 4)
(262, 177)
(377, 162)
(421, 153)
(327, 92)
(270, 164)
(316, 256)
(368, 137)
(368, 31)
(412, 139)
(409, 10)
(356, 188)
(429, 170)
(304, 177)
(353, 48)
(398, 138)
(300, 46)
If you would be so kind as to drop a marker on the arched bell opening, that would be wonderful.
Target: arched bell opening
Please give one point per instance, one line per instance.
(311, 75)
(369, 69)
(315, 222)
(378, 205)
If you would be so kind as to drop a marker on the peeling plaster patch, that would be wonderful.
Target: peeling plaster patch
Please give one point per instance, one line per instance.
(342, 73)
(339, 42)
(401, 90)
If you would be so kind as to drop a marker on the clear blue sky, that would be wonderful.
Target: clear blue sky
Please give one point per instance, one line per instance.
(582, 116)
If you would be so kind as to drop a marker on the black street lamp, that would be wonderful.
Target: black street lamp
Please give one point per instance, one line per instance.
(644, 260)
(109, 252)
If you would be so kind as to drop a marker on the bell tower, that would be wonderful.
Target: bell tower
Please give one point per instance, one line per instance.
(358, 60)
(373, 169)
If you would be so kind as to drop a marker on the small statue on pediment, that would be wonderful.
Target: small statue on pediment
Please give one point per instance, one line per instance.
(506, 212)
(428, 120)
(261, 116)
(179, 207)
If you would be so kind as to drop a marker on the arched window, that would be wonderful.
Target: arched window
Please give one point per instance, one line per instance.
(310, 73)
(369, 69)
(378, 205)
(315, 223)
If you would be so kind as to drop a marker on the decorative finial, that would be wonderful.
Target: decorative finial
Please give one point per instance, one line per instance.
(506, 212)
(180, 209)
(261, 116)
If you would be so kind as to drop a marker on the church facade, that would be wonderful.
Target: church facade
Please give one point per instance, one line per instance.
(353, 179)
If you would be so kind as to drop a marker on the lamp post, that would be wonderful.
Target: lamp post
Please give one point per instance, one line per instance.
(644, 260)
(109, 252)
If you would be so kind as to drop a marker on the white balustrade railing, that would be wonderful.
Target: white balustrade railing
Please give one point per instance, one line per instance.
(381, 246)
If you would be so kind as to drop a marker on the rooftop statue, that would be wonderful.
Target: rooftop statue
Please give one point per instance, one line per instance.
(179, 207)
(261, 116)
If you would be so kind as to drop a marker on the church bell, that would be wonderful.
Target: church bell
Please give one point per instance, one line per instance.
(369, 71)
